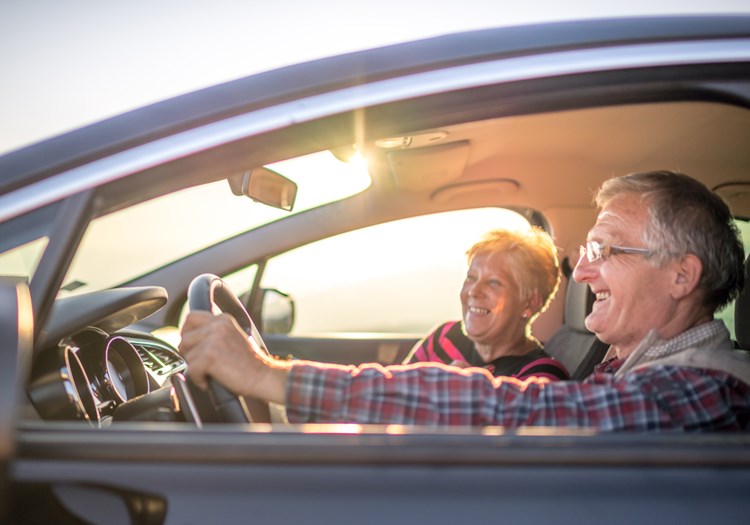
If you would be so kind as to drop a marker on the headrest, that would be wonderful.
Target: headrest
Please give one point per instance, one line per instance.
(578, 301)
(742, 312)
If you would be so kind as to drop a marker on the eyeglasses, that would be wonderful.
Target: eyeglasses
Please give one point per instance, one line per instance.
(597, 251)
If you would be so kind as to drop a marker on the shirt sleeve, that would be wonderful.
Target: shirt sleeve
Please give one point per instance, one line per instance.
(434, 395)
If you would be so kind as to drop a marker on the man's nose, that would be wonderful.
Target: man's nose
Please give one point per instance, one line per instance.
(584, 270)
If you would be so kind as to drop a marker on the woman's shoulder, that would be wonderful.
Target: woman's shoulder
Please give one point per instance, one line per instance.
(445, 343)
(534, 363)
(540, 363)
(452, 330)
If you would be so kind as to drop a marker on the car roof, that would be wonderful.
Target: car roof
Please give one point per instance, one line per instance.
(544, 118)
(140, 126)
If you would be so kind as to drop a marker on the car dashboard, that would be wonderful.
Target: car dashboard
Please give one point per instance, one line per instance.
(91, 367)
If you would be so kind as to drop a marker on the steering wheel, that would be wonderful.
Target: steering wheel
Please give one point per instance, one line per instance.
(206, 293)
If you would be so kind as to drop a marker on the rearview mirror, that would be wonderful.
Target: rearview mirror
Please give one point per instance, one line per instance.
(265, 186)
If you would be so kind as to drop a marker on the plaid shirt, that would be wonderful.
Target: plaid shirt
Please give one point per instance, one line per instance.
(647, 398)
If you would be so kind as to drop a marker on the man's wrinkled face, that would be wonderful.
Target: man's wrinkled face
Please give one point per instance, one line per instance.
(490, 300)
(632, 294)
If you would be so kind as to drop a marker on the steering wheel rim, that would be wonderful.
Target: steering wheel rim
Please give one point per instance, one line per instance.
(208, 292)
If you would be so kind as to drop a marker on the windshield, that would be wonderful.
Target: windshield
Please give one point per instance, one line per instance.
(123, 245)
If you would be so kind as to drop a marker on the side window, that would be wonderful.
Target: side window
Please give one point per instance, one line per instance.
(401, 277)
(727, 314)
(240, 281)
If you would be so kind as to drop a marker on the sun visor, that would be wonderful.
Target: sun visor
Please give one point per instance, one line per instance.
(475, 188)
(424, 168)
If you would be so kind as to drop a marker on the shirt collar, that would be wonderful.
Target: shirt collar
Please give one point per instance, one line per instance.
(654, 348)
(695, 336)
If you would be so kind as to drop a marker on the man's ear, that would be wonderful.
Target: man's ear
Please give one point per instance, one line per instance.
(688, 271)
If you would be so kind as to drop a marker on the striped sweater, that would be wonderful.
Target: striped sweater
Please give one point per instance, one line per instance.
(448, 343)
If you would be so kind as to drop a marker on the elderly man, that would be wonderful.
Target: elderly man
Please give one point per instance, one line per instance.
(663, 256)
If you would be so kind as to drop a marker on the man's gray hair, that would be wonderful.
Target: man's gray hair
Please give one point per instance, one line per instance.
(686, 217)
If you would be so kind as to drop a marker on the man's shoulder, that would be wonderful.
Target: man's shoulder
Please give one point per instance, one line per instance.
(733, 362)
(704, 347)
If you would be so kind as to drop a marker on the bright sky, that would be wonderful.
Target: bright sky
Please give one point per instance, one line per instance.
(66, 63)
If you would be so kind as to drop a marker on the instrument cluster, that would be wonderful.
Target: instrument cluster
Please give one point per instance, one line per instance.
(91, 374)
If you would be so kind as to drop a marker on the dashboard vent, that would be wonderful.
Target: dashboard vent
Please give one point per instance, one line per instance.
(160, 360)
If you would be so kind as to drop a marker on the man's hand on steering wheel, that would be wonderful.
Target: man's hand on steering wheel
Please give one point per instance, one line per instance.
(215, 346)
(226, 350)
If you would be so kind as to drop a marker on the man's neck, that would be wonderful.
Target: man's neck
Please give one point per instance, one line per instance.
(668, 331)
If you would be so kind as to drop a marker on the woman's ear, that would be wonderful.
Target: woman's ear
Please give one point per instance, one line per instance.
(687, 275)
(533, 305)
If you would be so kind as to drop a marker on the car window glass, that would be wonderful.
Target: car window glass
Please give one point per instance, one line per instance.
(121, 246)
(23, 240)
(22, 260)
(241, 281)
(727, 313)
(401, 277)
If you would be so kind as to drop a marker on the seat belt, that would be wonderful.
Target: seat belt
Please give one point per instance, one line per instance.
(594, 356)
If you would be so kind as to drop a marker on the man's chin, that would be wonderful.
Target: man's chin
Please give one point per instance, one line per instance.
(596, 327)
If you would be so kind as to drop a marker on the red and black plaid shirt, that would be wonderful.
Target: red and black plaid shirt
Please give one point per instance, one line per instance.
(651, 398)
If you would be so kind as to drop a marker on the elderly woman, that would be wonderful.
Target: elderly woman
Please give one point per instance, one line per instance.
(512, 277)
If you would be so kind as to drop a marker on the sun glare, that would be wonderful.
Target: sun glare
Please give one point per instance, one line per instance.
(323, 178)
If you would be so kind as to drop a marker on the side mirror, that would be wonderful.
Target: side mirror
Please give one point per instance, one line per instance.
(265, 186)
(276, 312)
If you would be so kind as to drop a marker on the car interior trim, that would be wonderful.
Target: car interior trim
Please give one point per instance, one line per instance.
(377, 444)
(63, 243)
